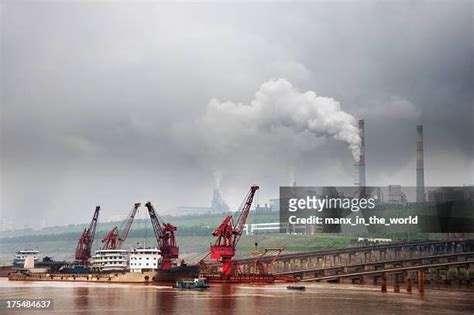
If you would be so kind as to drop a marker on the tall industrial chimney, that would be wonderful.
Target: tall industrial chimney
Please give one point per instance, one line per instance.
(420, 171)
(360, 166)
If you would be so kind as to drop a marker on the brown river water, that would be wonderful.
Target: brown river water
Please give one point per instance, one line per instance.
(319, 298)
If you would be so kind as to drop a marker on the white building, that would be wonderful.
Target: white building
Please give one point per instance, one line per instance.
(144, 259)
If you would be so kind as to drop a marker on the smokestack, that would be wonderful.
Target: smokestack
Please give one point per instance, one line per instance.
(420, 170)
(360, 166)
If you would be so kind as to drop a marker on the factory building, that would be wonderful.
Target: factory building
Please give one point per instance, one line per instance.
(445, 194)
(395, 194)
(218, 205)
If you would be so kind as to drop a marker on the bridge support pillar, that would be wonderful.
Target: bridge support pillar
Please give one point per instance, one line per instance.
(396, 286)
(468, 276)
(447, 279)
(437, 276)
(421, 281)
(408, 284)
(384, 284)
(458, 274)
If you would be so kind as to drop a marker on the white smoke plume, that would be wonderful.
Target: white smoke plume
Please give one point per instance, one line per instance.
(267, 136)
(278, 105)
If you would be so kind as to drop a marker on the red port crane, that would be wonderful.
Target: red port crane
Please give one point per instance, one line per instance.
(110, 240)
(164, 233)
(113, 240)
(228, 234)
(84, 246)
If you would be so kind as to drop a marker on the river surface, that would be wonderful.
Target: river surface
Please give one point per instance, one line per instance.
(319, 298)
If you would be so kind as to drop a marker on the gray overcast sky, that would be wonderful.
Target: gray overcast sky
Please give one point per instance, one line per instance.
(99, 99)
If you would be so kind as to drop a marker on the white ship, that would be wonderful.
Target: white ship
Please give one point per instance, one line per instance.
(106, 260)
(140, 259)
(143, 259)
(21, 255)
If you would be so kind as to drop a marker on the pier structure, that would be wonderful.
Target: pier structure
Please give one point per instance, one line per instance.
(408, 263)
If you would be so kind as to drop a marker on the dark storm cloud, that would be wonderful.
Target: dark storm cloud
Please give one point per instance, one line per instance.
(96, 95)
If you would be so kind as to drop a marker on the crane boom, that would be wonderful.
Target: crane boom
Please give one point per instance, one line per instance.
(113, 240)
(164, 234)
(228, 234)
(239, 225)
(128, 225)
(84, 245)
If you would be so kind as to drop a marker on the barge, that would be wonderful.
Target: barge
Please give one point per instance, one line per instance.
(161, 276)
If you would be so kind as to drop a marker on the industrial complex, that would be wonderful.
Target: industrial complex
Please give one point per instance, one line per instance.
(163, 263)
